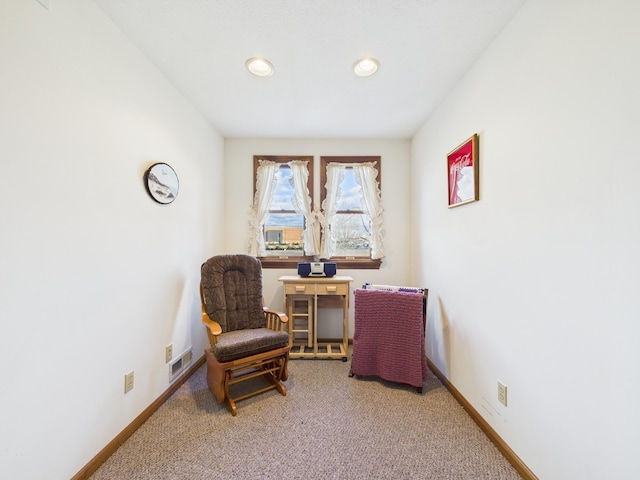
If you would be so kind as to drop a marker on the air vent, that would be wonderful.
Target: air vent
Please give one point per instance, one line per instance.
(179, 365)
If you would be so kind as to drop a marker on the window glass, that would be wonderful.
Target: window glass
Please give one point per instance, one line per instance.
(283, 226)
(351, 227)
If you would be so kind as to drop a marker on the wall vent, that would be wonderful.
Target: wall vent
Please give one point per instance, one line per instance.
(179, 365)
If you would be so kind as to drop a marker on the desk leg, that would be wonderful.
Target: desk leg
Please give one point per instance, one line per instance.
(315, 324)
(310, 323)
(345, 327)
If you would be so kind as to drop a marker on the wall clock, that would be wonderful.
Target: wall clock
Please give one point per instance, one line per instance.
(161, 182)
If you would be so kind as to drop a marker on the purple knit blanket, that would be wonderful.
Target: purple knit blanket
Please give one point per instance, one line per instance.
(388, 339)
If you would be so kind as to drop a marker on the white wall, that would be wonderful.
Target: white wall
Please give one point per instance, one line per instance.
(395, 155)
(95, 278)
(536, 285)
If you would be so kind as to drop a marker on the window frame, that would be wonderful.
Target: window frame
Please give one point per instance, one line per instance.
(284, 262)
(343, 261)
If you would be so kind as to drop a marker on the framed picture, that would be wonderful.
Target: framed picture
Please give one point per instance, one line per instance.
(161, 182)
(463, 173)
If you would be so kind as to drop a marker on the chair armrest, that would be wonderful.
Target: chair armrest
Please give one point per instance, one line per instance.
(275, 320)
(213, 328)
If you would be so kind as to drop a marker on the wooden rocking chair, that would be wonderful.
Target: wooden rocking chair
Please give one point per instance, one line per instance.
(247, 339)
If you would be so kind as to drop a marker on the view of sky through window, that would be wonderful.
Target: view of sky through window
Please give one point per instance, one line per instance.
(283, 200)
(350, 197)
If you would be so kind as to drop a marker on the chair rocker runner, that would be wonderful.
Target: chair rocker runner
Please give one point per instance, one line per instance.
(247, 339)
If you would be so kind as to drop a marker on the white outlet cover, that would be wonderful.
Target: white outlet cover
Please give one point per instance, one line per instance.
(502, 393)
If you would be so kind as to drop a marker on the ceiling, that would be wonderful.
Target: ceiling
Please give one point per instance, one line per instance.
(424, 48)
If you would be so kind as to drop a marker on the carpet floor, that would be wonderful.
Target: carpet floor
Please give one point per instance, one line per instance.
(328, 426)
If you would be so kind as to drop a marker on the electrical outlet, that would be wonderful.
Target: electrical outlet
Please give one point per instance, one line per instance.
(128, 381)
(168, 354)
(502, 393)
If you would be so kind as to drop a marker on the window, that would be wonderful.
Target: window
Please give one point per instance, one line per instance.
(286, 230)
(282, 222)
(352, 211)
(283, 226)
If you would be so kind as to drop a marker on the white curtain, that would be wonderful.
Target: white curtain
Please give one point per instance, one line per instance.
(335, 175)
(302, 205)
(366, 174)
(265, 186)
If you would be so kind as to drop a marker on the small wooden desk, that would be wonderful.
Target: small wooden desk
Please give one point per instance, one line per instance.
(300, 299)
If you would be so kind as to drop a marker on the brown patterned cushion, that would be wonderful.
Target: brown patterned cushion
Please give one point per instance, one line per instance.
(232, 289)
(243, 343)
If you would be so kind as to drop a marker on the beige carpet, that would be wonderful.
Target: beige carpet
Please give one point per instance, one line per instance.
(329, 426)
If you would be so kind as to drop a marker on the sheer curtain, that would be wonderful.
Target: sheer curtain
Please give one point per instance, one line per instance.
(265, 186)
(366, 174)
(335, 175)
(302, 205)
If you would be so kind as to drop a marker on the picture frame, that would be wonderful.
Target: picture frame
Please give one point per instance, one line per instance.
(463, 173)
(161, 182)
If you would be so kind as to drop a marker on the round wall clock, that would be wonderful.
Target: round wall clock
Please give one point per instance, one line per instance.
(161, 182)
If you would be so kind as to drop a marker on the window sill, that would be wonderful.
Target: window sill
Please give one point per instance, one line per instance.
(346, 263)
(358, 263)
(278, 262)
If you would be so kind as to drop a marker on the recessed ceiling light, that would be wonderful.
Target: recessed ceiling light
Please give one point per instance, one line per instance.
(259, 66)
(366, 66)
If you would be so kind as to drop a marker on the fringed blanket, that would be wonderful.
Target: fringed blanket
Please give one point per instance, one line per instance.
(388, 339)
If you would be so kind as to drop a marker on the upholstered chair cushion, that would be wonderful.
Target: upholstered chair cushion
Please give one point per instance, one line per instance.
(232, 290)
(243, 343)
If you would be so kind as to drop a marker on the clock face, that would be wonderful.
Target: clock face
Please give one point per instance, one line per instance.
(162, 183)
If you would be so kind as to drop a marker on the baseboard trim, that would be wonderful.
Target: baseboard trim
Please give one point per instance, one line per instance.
(501, 445)
(109, 450)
